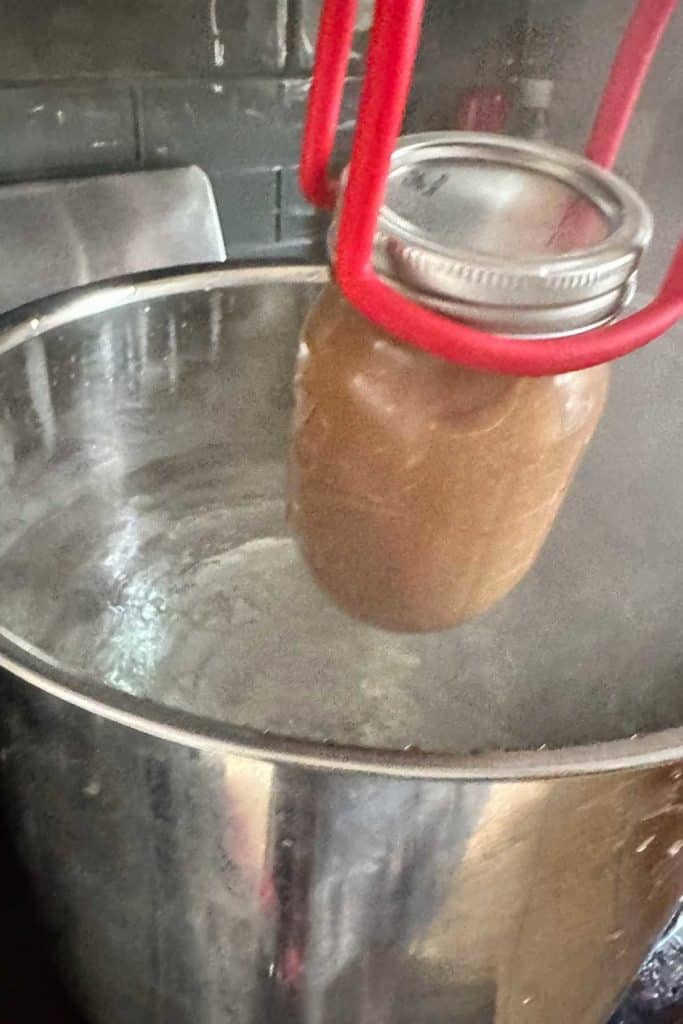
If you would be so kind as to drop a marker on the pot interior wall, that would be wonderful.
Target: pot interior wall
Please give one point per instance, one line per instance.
(143, 542)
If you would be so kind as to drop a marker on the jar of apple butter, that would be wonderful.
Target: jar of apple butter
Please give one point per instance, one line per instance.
(421, 491)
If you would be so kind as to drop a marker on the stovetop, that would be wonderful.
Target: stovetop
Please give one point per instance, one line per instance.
(656, 996)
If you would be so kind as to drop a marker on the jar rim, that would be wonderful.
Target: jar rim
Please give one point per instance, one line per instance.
(495, 186)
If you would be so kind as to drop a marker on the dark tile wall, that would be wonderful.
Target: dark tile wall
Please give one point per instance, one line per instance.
(75, 38)
(46, 130)
(89, 86)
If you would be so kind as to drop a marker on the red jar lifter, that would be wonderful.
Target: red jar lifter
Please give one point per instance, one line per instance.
(390, 59)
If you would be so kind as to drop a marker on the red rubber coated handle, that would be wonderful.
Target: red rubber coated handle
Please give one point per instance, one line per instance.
(391, 56)
(332, 52)
(632, 61)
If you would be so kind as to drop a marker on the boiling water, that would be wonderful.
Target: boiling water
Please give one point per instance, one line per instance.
(143, 542)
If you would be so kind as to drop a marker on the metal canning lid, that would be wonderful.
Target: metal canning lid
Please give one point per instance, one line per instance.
(520, 237)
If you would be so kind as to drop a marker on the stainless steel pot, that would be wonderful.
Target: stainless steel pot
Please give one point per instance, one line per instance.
(237, 805)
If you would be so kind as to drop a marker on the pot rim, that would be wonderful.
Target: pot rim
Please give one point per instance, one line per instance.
(202, 732)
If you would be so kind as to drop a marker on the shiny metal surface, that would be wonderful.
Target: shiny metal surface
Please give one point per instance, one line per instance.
(199, 852)
(500, 226)
(142, 458)
(533, 321)
(194, 887)
(62, 234)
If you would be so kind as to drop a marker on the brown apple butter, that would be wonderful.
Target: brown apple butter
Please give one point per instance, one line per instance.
(421, 491)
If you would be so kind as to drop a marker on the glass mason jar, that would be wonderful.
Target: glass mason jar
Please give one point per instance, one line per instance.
(422, 491)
